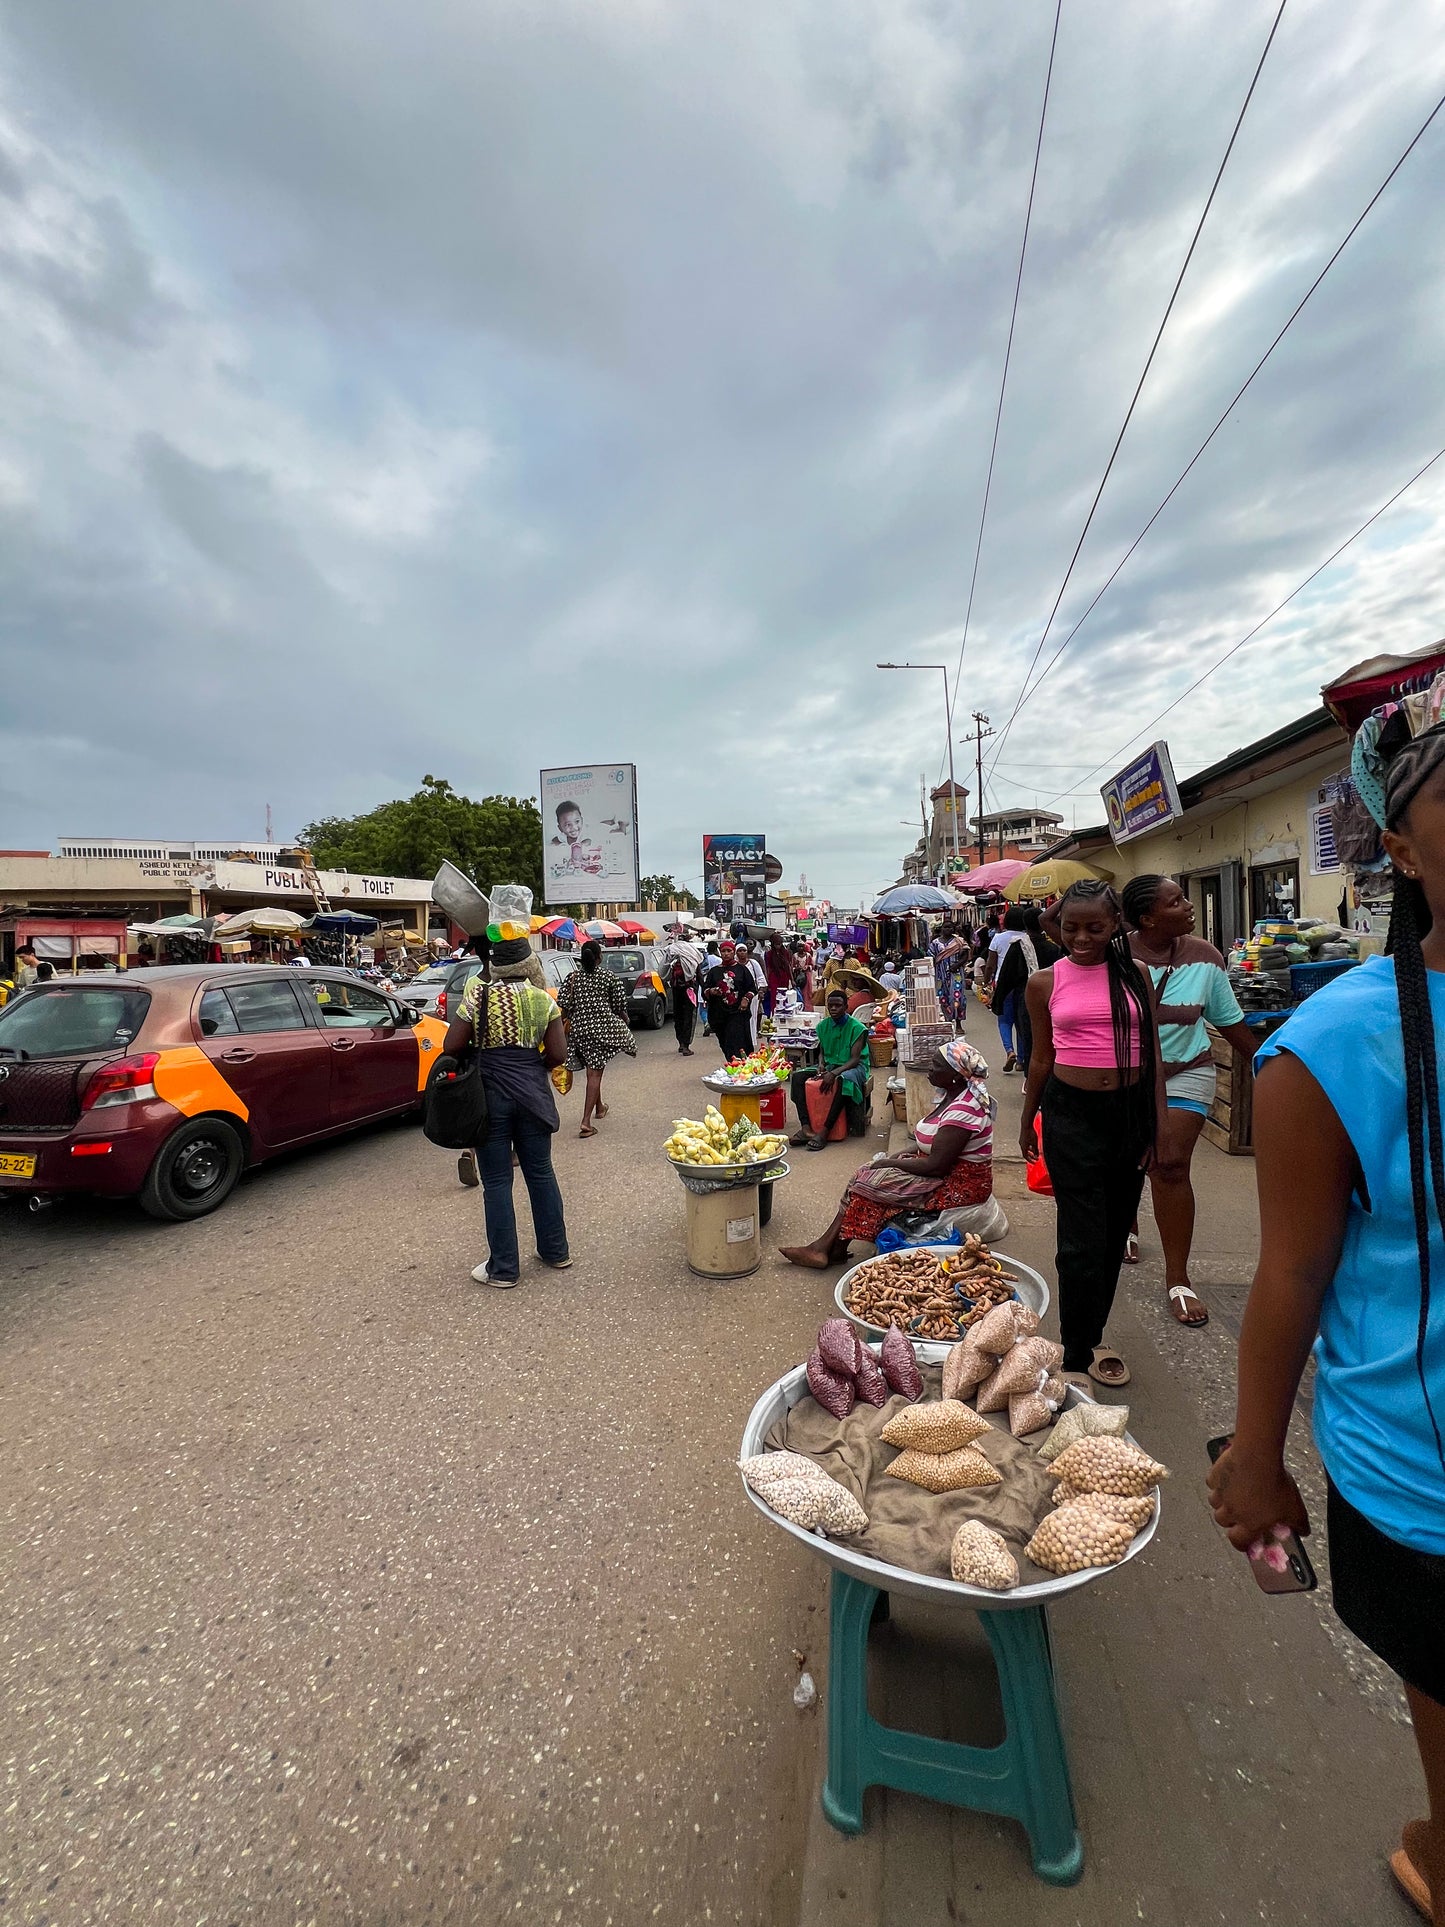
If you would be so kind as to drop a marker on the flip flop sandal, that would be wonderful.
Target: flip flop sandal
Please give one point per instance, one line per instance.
(1103, 1356)
(800, 1138)
(1177, 1296)
(1411, 1882)
(1131, 1249)
(587, 1131)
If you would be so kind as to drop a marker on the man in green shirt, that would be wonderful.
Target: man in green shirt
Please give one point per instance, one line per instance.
(844, 1071)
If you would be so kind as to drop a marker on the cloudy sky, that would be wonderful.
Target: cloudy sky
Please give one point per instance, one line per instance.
(466, 387)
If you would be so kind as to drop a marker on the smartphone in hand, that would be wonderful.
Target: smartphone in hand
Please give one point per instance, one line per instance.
(1277, 1558)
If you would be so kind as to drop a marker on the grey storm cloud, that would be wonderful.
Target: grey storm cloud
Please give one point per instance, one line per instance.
(472, 389)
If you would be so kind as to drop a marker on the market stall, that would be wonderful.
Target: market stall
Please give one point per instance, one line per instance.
(962, 1471)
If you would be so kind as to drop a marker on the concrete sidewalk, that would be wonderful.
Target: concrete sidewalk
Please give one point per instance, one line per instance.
(1235, 1758)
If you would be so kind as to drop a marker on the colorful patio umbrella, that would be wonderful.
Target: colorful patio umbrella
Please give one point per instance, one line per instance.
(989, 876)
(603, 930)
(913, 897)
(635, 929)
(1050, 878)
(562, 928)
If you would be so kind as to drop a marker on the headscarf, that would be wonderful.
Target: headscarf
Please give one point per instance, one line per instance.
(1407, 775)
(961, 1056)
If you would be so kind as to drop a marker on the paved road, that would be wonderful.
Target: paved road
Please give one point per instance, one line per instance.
(338, 1589)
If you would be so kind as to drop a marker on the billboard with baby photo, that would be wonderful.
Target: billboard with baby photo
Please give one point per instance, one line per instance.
(589, 833)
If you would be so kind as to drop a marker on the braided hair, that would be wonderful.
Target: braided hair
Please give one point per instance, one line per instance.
(1410, 922)
(1128, 997)
(1139, 896)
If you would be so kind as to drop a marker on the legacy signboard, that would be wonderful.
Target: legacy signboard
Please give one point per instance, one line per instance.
(589, 833)
(734, 876)
(1143, 796)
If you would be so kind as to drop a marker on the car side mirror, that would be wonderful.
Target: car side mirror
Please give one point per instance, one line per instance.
(408, 1014)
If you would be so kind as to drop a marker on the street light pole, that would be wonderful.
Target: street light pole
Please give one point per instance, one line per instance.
(942, 668)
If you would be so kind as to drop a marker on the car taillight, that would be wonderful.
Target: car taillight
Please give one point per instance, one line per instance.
(127, 1081)
(441, 1003)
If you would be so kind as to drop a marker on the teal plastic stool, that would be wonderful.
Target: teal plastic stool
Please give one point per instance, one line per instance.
(1025, 1777)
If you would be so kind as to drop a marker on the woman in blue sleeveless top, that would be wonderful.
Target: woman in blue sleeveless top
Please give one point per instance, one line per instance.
(1350, 1151)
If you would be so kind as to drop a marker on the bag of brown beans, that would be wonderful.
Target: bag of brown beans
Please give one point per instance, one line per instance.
(940, 1427)
(1078, 1536)
(1136, 1510)
(945, 1471)
(1108, 1465)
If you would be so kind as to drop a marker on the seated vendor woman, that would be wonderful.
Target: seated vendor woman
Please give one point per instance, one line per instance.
(844, 1071)
(952, 1166)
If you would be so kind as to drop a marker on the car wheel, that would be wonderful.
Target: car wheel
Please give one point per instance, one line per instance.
(195, 1170)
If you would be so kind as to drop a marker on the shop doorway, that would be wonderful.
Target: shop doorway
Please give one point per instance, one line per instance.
(1274, 890)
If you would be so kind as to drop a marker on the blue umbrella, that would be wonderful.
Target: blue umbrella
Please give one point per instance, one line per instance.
(345, 923)
(911, 898)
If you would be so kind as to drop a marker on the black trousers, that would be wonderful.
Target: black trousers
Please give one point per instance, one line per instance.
(733, 1030)
(1093, 1158)
(684, 1016)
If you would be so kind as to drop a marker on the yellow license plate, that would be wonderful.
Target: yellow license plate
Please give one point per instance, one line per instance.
(12, 1165)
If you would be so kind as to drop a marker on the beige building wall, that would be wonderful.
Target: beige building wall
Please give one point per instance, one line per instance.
(1272, 827)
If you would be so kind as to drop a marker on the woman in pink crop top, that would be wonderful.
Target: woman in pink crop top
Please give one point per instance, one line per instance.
(1095, 1074)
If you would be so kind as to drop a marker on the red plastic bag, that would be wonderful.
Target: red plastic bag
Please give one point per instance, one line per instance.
(1036, 1171)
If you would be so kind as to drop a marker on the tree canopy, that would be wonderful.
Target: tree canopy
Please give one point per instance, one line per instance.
(660, 891)
(497, 839)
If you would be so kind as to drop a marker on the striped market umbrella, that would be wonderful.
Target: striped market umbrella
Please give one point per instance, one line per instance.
(603, 930)
(635, 929)
(563, 929)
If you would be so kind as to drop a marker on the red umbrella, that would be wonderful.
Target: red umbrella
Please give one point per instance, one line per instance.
(635, 929)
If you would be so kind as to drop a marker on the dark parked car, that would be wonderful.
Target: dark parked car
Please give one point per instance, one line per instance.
(165, 1084)
(649, 994)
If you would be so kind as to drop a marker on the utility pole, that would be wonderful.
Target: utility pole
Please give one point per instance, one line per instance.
(981, 729)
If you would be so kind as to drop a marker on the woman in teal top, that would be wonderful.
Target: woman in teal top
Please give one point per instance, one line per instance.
(1348, 1138)
(1193, 989)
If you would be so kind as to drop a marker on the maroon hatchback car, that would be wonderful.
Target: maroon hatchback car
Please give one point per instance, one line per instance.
(166, 1084)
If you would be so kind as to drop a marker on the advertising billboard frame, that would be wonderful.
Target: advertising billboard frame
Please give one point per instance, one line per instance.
(738, 859)
(593, 857)
(1143, 796)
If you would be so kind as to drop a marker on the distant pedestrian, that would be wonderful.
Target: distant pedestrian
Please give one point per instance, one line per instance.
(594, 1004)
(1000, 944)
(747, 954)
(1095, 1070)
(25, 966)
(682, 963)
(1348, 1128)
(517, 1031)
(1033, 952)
(777, 970)
(1193, 987)
(730, 989)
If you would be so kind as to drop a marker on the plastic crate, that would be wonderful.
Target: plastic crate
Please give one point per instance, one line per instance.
(1306, 979)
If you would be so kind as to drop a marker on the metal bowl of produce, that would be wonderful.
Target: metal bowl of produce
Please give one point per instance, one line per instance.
(702, 1178)
(1027, 1283)
(778, 1401)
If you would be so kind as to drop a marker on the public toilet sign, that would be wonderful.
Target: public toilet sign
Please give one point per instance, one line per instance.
(1143, 795)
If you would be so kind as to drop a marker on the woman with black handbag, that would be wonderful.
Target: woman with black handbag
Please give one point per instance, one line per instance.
(515, 1029)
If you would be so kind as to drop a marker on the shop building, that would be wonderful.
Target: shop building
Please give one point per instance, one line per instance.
(1021, 833)
(1254, 834)
(75, 906)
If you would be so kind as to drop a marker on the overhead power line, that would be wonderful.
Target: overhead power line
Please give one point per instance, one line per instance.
(1027, 692)
(1111, 762)
(1153, 351)
(1007, 353)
